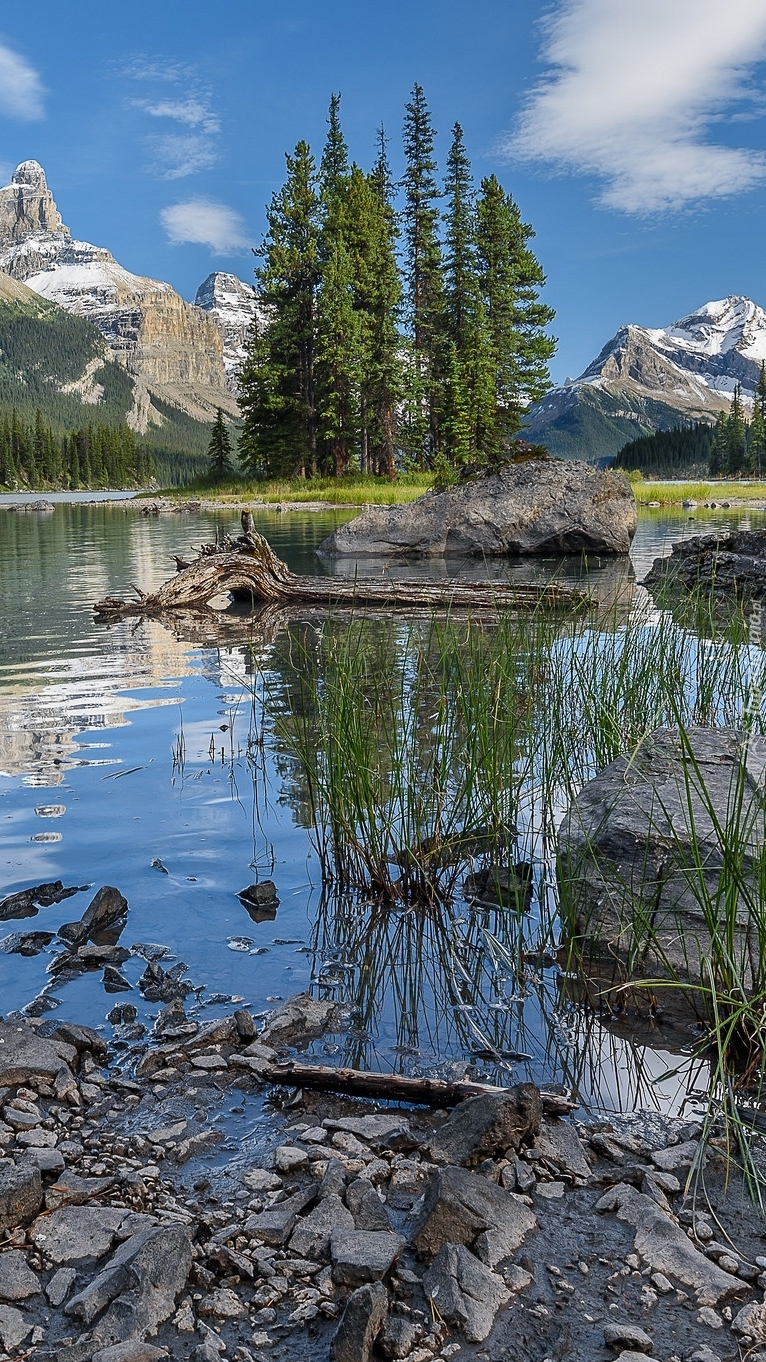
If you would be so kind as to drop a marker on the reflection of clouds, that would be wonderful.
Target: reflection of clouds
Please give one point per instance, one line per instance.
(611, 1072)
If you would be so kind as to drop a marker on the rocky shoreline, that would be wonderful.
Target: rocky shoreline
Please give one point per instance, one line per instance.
(134, 1227)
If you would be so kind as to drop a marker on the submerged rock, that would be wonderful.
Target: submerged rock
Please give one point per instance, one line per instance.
(642, 859)
(542, 506)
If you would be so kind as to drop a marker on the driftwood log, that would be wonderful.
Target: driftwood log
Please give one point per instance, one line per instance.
(252, 571)
(426, 1092)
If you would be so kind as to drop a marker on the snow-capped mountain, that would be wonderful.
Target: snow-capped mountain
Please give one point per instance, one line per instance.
(174, 350)
(234, 305)
(648, 378)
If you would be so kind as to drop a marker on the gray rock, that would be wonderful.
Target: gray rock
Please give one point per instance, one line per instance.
(157, 1262)
(464, 1291)
(72, 1190)
(464, 1208)
(360, 1324)
(363, 1255)
(13, 1327)
(625, 846)
(675, 1156)
(76, 1233)
(382, 1132)
(334, 1181)
(135, 1351)
(47, 1160)
(107, 908)
(483, 1127)
(83, 1038)
(60, 1285)
(275, 1225)
(366, 1207)
(541, 506)
(301, 1016)
(666, 1249)
(560, 1145)
(25, 1055)
(704, 1354)
(21, 1194)
(399, 1336)
(17, 1280)
(311, 1237)
(618, 1335)
(750, 1322)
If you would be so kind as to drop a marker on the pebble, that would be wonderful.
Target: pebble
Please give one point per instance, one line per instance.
(709, 1318)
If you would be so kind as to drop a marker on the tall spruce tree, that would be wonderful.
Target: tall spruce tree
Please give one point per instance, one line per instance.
(511, 279)
(423, 273)
(219, 464)
(277, 379)
(736, 436)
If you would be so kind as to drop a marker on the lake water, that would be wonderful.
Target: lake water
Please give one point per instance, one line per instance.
(126, 744)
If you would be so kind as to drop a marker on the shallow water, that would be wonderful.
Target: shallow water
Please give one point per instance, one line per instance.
(123, 744)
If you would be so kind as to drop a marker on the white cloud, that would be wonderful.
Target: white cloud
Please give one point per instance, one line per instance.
(632, 89)
(178, 155)
(21, 91)
(194, 113)
(195, 145)
(202, 222)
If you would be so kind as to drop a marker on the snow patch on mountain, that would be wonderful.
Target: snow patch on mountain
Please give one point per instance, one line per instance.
(234, 305)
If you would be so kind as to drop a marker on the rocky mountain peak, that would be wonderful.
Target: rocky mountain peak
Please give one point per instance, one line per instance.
(27, 208)
(233, 305)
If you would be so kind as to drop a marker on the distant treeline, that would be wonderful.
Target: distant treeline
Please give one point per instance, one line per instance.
(670, 453)
(34, 455)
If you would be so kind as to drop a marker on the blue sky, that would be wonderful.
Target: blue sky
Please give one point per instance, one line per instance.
(631, 132)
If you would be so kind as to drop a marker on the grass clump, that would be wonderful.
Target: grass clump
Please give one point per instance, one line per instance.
(647, 491)
(355, 489)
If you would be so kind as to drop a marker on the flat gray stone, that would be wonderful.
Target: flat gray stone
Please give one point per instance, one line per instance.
(14, 1328)
(363, 1255)
(301, 1016)
(60, 1285)
(157, 1262)
(72, 1190)
(617, 1335)
(465, 1291)
(484, 1127)
(47, 1160)
(675, 1156)
(366, 1207)
(25, 1055)
(540, 506)
(361, 1322)
(665, 1248)
(76, 1233)
(383, 1132)
(134, 1351)
(460, 1207)
(21, 1194)
(399, 1336)
(275, 1225)
(560, 1145)
(311, 1236)
(17, 1280)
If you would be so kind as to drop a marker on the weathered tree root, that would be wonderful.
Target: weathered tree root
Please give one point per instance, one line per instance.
(254, 571)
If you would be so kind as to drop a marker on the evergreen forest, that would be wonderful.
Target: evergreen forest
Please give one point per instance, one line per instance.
(682, 451)
(404, 327)
(33, 455)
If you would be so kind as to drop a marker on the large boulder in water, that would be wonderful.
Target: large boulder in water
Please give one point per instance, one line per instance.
(540, 506)
(655, 846)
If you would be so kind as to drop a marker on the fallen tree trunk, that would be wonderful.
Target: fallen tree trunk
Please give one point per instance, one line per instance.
(254, 571)
(428, 1092)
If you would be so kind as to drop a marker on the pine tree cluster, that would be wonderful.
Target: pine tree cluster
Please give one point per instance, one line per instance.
(33, 455)
(679, 452)
(406, 335)
(740, 445)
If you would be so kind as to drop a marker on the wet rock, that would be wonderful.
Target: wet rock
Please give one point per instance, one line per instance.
(17, 1280)
(366, 1207)
(301, 1017)
(665, 1248)
(260, 900)
(93, 956)
(560, 1145)
(84, 1039)
(382, 1132)
(157, 1261)
(163, 986)
(173, 1023)
(288, 1159)
(464, 1291)
(14, 1328)
(363, 1255)
(114, 981)
(24, 1054)
(107, 912)
(361, 1322)
(261, 1180)
(311, 1237)
(627, 1336)
(76, 1233)
(246, 1028)
(21, 1194)
(60, 1285)
(464, 1208)
(539, 506)
(483, 1127)
(628, 838)
(275, 1225)
(26, 943)
(197, 1144)
(22, 904)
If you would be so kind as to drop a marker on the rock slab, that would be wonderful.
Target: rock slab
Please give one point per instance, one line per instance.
(460, 1207)
(464, 1291)
(361, 1322)
(541, 506)
(484, 1127)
